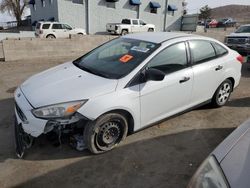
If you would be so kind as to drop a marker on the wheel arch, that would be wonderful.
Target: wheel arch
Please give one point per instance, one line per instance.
(232, 80)
(127, 115)
(50, 34)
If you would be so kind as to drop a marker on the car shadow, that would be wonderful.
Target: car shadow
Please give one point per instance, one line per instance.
(165, 161)
(245, 71)
(239, 102)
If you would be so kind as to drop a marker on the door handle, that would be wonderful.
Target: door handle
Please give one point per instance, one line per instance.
(218, 68)
(185, 79)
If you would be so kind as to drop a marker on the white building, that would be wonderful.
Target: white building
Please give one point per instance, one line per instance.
(93, 15)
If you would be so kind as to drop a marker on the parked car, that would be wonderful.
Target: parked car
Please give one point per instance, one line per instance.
(227, 22)
(125, 85)
(56, 30)
(213, 23)
(129, 26)
(228, 165)
(239, 40)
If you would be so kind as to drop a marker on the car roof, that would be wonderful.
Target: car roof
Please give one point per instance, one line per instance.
(157, 37)
(246, 25)
(44, 22)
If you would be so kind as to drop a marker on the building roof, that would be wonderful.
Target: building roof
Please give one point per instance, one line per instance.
(156, 37)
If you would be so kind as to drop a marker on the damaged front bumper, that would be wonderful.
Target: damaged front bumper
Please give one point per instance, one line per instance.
(27, 126)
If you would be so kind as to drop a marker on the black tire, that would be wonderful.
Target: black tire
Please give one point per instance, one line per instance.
(150, 30)
(105, 133)
(222, 93)
(50, 36)
(80, 34)
(124, 32)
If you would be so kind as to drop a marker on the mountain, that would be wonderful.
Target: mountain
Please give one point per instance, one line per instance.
(239, 12)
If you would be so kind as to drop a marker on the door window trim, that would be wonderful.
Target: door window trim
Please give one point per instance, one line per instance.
(204, 60)
(134, 81)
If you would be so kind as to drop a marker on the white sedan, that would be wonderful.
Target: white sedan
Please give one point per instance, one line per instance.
(123, 86)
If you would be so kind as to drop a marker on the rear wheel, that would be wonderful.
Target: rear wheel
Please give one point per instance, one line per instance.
(105, 133)
(150, 30)
(124, 32)
(223, 93)
(50, 37)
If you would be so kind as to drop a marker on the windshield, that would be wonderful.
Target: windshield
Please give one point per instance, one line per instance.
(116, 58)
(243, 29)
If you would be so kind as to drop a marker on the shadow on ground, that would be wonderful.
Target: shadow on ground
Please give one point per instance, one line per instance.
(246, 70)
(239, 102)
(164, 161)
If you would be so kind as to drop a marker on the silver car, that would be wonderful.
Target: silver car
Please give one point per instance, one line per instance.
(228, 165)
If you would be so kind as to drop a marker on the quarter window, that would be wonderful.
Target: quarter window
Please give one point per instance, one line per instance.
(201, 51)
(171, 59)
(220, 50)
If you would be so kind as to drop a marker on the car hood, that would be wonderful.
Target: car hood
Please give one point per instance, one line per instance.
(233, 155)
(65, 83)
(239, 35)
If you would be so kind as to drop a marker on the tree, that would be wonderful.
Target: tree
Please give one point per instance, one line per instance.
(205, 12)
(14, 8)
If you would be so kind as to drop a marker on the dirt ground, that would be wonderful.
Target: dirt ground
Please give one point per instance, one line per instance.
(165, 155)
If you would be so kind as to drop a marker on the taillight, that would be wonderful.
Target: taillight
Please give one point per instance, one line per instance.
(40, 31)
(240, 58)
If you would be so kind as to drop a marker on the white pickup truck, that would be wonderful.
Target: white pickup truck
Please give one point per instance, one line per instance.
(129, 26)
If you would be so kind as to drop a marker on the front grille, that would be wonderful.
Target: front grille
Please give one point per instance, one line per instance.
(236, 40)
(20, 113)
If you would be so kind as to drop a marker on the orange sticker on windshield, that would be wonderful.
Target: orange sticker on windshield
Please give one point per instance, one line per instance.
(126, 58)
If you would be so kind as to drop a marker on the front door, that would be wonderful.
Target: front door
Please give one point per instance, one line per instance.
(161, 99)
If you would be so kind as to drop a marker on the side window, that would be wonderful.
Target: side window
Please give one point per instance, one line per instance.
(171, 59)
(65, 26)
(57, 26)
(220, 50)
(46, 26)
(135, 22)
(201, 51)
(142, 22)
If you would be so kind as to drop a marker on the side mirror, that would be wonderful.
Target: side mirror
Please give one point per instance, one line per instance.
(154, 75)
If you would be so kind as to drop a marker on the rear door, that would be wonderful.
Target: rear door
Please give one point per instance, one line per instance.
(208, 70)
(135, 28)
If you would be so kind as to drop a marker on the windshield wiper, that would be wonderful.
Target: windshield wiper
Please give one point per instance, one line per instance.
(90, 70)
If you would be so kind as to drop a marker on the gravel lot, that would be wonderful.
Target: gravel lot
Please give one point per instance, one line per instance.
(164, 155)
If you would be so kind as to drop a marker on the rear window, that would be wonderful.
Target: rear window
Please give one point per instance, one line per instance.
(46, 26)
(57, 26)
(38, 25)
(126, 21)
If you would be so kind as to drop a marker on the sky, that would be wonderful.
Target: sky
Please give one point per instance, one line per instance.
(193, 6)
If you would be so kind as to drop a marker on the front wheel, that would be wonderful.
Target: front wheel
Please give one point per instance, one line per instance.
(105, 133)
(222, 94)
(150, 30)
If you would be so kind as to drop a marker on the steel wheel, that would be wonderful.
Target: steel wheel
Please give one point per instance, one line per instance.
(106, 132)
(109, 135)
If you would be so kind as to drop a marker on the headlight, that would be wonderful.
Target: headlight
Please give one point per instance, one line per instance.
(209, 174)
(58, 110)
(225, 40)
